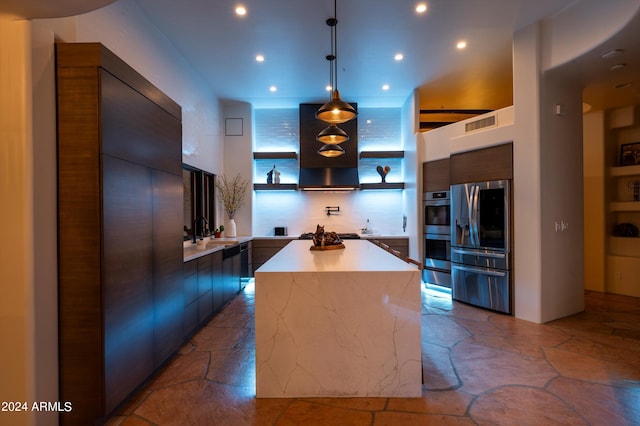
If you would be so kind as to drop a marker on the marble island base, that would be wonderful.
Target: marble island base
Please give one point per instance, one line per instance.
(331, 332)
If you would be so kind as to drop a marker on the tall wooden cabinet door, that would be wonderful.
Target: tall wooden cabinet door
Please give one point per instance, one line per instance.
(167, 264)
(435, 175)
(128, 277)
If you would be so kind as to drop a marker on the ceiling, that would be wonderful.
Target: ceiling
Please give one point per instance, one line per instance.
(294, 39)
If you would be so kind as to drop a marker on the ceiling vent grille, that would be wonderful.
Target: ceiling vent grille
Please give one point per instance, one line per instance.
(480, 124)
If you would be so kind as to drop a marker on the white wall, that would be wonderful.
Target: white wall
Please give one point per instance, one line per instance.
(28, 258)
(412, 194)
(594, 200)
(17, 259)
(562, 201)
(238, 157)
(580, 27)
(124, 29)
(300, 211)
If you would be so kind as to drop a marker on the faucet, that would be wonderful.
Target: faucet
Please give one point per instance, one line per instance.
(197, 220)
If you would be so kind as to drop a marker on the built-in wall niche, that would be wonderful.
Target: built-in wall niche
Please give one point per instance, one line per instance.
(198, 202)
(286, 163)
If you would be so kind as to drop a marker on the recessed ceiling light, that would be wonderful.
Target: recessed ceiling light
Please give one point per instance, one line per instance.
(398, 56)
(385, 87)
(617, 67)
(421, 7)
(612, 53)
(273, 89)
(260, 58)
(241, 10)
(461, 44)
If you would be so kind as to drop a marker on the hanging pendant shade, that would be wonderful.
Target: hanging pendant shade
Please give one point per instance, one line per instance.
(336, 111)
(331, 151)
(332, 135)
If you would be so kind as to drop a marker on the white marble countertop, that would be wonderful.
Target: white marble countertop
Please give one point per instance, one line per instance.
(358, 255)
(337, 323)
(192, 251)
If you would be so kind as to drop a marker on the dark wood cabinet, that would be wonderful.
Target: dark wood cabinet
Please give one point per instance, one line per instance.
(435, 175)
(486, 164)
(231, 264)
(205, 287)
(218, 281)
(399, 244)
(121, 295)
(168, 293)
(263, 249)
(128, 278)
(190, 291)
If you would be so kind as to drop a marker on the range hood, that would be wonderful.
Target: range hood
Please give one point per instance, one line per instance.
(322, 173)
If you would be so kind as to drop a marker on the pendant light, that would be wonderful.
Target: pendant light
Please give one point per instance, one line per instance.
(335, 111)
(331, 151)
(332, 135)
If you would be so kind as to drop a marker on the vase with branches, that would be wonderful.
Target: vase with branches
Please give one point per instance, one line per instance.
(231, 193)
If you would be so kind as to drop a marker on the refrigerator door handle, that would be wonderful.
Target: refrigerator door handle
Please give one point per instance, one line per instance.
(478, 253)
(474, 221)
(470, 198)
(479, 271)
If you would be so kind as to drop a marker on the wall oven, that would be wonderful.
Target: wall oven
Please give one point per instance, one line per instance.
(437, 232)
(480, 255)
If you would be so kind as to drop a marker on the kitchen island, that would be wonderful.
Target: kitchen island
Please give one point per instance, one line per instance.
(337, 323)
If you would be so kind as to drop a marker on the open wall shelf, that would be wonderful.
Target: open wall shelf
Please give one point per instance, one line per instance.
(275, 187)
(382, 154)
(390, 185)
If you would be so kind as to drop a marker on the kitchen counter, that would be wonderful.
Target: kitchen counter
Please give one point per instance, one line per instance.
(337, 323)
(192, 251)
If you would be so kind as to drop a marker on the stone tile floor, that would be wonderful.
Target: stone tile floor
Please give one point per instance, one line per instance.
(480, 368)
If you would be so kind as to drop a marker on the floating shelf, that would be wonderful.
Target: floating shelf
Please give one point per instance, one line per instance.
(275, 187)
(274, 155)
(625, 206)
(382, 154)
(393, 185)
(624, 171)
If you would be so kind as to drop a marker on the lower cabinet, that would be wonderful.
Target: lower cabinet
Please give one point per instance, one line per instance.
(263, 249)
(203, 288)
(190, 289)
(218, 283)
(231, 266)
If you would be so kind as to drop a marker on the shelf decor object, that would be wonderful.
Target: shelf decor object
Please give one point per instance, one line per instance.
(630, 154)
(383, 171)
(232, 193)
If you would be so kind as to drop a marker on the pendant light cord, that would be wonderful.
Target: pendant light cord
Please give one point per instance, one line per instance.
(335, 43)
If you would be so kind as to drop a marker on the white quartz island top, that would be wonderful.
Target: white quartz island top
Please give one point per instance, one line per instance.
(337, 323)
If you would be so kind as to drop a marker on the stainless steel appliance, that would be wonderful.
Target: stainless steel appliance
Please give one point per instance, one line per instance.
(480, 246)
(437, 233)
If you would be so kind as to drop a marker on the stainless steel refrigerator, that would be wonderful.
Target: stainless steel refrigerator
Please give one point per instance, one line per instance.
(480, 245)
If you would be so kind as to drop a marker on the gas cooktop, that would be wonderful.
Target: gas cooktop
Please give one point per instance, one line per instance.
(343, 236)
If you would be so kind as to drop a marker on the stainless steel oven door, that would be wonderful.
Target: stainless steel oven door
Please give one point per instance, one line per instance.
(437, 213)
(488, 288)
(437, 251)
